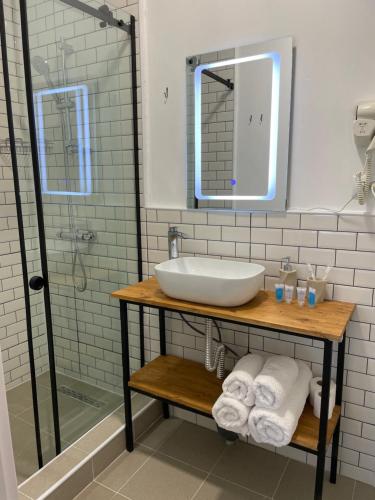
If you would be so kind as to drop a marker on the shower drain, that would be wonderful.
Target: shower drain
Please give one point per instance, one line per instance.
(67, 391)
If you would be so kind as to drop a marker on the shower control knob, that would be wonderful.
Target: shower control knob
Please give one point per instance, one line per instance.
(36, 283)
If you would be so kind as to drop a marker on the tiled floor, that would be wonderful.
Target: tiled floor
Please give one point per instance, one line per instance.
(177, 460)
(76, 418)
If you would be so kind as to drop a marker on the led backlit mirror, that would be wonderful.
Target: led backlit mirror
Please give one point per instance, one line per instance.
(238, 126)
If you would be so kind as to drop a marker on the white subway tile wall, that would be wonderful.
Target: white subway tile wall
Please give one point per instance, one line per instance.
(321, 240)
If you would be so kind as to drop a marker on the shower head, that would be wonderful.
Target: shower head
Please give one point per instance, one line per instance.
(41, 66)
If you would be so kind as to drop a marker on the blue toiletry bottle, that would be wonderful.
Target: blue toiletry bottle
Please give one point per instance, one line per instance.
(311, 297)
(279, 292)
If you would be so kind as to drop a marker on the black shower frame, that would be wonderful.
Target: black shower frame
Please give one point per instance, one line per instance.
(130, 29)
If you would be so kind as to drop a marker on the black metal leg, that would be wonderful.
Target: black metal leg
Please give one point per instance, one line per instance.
(319, 478)
(163, 351)
(339, 384)
(129, 441)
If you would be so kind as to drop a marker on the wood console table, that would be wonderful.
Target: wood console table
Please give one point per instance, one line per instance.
(188, 385)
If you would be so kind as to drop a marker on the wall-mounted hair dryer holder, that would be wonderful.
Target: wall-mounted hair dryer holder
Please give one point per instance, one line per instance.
(364, 137)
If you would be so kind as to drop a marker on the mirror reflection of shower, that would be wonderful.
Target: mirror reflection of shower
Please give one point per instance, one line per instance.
(65, 105)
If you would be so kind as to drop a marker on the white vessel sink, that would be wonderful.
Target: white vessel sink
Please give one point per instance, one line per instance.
(216, 282)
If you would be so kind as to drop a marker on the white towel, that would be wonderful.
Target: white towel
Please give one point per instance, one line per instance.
(231, 414)
(276, 427)
(274, 382)
(239, 384)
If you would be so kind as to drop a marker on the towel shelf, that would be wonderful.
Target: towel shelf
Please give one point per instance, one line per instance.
(188, 385)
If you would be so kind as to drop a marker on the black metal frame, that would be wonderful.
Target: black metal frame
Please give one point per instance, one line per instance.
(40, 218)
(327, 362)
(103, 13)
(136, 177)
(228, 83)
(17, 192)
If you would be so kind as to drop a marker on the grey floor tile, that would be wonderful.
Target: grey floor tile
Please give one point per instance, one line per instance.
(194, 445)
(364, 491)
(251, 467)
(216, 488)
(299, 480)
(95, 491)
(162, 478)
(159, 432)
(20, 398)
(116, 475)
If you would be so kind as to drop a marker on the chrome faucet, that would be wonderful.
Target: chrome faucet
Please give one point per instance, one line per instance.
(173, 235)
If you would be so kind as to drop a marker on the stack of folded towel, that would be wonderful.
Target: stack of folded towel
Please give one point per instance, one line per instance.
(264, 399)
(231, 410)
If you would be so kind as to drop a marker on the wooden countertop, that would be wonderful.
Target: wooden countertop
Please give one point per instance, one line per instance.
(327, 320)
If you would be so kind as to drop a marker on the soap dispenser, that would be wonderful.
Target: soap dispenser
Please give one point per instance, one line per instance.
(288, 275)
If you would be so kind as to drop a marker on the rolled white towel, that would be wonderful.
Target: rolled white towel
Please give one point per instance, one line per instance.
(275, 381)
(276, 427)
(231, 414)
(239, 384)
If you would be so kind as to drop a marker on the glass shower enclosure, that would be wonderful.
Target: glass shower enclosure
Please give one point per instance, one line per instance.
(79, 209)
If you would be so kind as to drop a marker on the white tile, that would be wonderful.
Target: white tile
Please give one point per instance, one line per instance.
(364, 278)
(278, 252)
(291, 221)
(366, 241)
(344, 241)
(258, 250)
(194, 246)
(359, 444)
(368, 431)
(224, 248)
(360, 413)
(352, 395)
(338, 275)
(170, 216)
(353, 294)
(361, 381)
(358, 330)
(205, 232)
(367, 462)
(258, 220)
(357, 223)
(362, 348)
(243, 219)
(317, 256)
(243, 250)
(300, 238)
(265, 235)
(222, 219)
(240, 234)
(370, 399)
(194, 217)
(365, 314)
(318, 221)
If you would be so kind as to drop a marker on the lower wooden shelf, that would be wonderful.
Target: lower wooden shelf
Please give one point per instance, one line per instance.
(188, 384)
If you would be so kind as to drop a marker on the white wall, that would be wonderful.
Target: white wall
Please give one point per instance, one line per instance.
(333, 71)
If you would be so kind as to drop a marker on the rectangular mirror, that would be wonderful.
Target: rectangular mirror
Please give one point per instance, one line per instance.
(238, 126)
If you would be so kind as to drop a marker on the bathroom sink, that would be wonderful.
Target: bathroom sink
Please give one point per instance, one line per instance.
(210, 281)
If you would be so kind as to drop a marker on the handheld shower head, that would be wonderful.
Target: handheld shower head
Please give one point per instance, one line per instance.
(40, 65)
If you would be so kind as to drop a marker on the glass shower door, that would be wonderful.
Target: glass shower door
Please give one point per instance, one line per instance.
(81, 95)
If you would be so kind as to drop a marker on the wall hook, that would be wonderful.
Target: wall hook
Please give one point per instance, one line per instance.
(165, 93)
